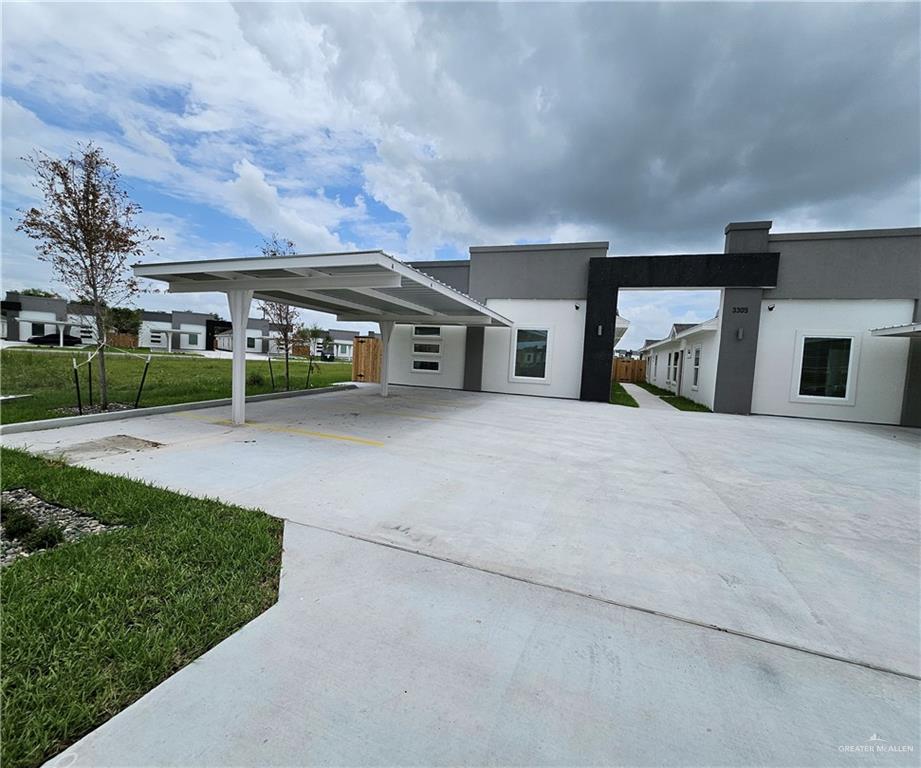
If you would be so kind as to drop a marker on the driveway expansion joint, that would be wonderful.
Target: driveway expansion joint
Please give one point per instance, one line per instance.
(616, 603)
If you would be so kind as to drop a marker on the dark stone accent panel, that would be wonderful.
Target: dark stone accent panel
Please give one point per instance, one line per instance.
(911, 397)
(740, 316)
(607, 275)
(473, 358)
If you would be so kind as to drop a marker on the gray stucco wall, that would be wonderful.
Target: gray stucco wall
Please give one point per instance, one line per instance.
(455, 273)
(740, 315)
(532, 271)
(869, 264)
(911, 401)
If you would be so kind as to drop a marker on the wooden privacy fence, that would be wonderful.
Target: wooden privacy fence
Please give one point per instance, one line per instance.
(122, 340)
(366, 359)
(626, 369)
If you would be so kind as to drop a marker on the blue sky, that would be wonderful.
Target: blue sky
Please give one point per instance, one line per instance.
(424, 129)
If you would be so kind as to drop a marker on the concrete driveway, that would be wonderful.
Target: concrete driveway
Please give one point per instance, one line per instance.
(488, 579)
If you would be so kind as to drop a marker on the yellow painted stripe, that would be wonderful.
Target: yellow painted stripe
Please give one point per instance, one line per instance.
(290, 430)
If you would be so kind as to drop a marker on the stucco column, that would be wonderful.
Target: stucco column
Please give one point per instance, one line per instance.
(239, 313)
(386, 330)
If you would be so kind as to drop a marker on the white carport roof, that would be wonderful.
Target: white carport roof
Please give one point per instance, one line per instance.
(910, 330)
(366, 286)
(363, 286)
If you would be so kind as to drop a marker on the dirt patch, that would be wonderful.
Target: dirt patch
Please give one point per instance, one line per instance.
(105, 446)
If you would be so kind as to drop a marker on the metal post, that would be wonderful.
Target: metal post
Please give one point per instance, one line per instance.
(143, 377)
(239, 301)
(386, 330)
(77, 384)
(89, 373)
(61, 336)
(271, 373)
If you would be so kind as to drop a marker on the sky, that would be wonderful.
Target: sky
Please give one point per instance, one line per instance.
(425, 129)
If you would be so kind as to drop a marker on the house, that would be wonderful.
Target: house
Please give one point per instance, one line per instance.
(683, 362)
(340, 346)
(25, 316)
(837, 338)
(816, 324)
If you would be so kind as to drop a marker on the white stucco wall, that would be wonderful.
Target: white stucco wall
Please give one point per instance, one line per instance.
(453, 345)
(153, 325)
(183, 337)
(878, 378)
(29, 316)
(565, 319)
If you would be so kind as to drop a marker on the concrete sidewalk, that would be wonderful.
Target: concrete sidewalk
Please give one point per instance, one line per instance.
(645, 399)
(375, 656)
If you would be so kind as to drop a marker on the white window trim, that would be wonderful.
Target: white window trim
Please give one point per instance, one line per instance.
(428, 359)
(852, 363)
(696, 355)
(514, 348)
(427, 336)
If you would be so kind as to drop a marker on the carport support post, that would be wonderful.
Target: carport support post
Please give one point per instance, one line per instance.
(239, 301)
(386, 330)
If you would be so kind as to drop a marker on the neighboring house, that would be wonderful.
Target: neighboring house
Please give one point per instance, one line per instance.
(27, 316)
(685, 361)
(342, 343)
(261, 337)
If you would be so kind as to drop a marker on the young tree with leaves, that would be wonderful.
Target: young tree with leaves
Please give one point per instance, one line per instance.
(314, 334)
(283, 318)
(86, 230)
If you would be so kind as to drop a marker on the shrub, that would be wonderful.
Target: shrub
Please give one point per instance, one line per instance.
(256, 379)
(17, 523)
(46, 537)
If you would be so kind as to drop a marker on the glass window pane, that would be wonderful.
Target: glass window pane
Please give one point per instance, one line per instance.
(425, 365)
(431, 349)
(531, 353)
(825, 367)
(427, 330)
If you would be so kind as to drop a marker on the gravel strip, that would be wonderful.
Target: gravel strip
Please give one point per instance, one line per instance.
(74, 524)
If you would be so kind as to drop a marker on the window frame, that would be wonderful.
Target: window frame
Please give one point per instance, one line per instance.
(696, 354)
(417, 335)
(251, 342)
(430, 359)
(513, 349)
(853, 361)
(189, 335)
(419, 353)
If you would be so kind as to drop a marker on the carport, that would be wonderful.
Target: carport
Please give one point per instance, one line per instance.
(362, 286)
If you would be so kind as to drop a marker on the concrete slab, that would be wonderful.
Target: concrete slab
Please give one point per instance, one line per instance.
(645, 399)
(802, 533)
(379, 657)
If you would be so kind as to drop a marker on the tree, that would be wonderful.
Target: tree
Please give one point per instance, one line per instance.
(329, 348)
(283, 318)
(86, 230)
(39, 292)
(314, 333)
(124, 320)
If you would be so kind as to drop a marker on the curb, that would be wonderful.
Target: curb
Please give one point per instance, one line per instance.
(93, 418)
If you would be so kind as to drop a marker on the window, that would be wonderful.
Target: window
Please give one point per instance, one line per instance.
(426, 348)
(531, 353)
(193, 339)
(655, 366)
(251, 342)
(825, 366)
(38, 329)
(426, 366)
(86, 334)
(696, 378)
(428, 331)
(673, 365)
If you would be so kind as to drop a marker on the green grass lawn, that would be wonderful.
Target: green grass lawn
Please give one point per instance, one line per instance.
(170, 379)
(90, 626)
(684, 404)
(620, 396)
(681, 403)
